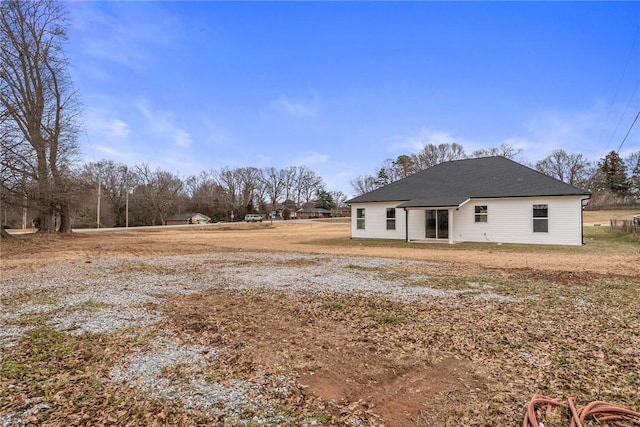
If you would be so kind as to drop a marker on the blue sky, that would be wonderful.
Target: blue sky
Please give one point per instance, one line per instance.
(341, 86)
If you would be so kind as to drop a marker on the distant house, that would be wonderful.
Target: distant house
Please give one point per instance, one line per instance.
(342, 211)
(280, 212)
(188, 218)
(307, 213)
(491, 199)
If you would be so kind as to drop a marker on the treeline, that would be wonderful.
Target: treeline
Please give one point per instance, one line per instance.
(115, 195)
(153, 195)
(613, 181)
(41, 180)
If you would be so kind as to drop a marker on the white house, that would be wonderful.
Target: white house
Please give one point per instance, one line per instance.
(490, 199)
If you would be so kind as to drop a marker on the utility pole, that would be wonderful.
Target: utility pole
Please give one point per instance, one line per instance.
(98, 210)
(24, 212)
(126, 214)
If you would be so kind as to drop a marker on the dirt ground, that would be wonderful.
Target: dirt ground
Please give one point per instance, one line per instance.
(292, 237)
(395, 364)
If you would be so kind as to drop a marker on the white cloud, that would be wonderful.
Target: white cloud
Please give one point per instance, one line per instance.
(415, 143)
(298, 107)
(119, 128)
(181, 138)
(312, 159)
(105, 125)
(264, 160)
(214, 133)
(112, 152)
(584, 132)
(575, 131)
(122, 33)
(161, 124)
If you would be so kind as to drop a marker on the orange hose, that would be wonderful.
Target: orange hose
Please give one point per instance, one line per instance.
(600, 411)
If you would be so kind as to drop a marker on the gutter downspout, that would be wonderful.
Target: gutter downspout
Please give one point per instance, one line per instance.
(582, 206)
(406, 224)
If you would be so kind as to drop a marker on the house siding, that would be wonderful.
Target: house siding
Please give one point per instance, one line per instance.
(376, 221)
(417, 224)
(509, 220)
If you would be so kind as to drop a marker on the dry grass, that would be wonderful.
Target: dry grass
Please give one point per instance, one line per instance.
(603, 217)
(567, 326)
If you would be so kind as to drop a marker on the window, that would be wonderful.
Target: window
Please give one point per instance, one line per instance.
(481, 213)
(360, 219)
(391, 218)
(540, 218)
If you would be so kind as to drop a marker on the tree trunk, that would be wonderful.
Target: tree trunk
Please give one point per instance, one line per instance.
(65, 219)
(46, 223)
(46, 205)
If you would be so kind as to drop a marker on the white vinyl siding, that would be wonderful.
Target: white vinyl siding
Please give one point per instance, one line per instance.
(511, 221)
(376, 227)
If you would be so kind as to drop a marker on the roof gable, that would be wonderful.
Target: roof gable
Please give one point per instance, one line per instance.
(452, 183)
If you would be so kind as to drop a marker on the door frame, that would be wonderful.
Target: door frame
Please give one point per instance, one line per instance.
(438, 234)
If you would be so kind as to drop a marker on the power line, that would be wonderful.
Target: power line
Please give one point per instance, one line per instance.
(615, 96)
(625, 110)
(629, 131)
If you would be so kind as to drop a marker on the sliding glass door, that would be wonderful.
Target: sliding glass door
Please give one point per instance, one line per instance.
(437, 226)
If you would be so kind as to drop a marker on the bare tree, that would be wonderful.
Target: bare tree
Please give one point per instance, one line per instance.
(432, 154)
(339, 198)
(158, 195)
(570, 168)
(230, 182)
(39, 106)
(274, 181)
(307, 184)
(116, 182)
(239, 185)
(504, 150)
(289, 177)
(250, 180)
(393, 170)
(207, 195)
(363, 184)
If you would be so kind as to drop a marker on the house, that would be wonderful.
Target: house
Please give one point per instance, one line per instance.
(188, 218)
(307, 213)
(341, 212)
(282, 210)
(490, 199)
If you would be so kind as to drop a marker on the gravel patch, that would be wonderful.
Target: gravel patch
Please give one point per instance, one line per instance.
(103, 320)
(193, 390)
(105, 295)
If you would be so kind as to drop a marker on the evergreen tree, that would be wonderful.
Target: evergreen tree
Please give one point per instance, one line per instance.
(325, 200)
(614, 173)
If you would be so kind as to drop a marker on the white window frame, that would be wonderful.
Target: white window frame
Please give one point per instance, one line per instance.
(480, 214)
(360, 221)
(540, 223)
(391, 220)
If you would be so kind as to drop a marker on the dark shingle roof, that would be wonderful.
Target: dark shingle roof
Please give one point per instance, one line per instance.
(451, 183)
